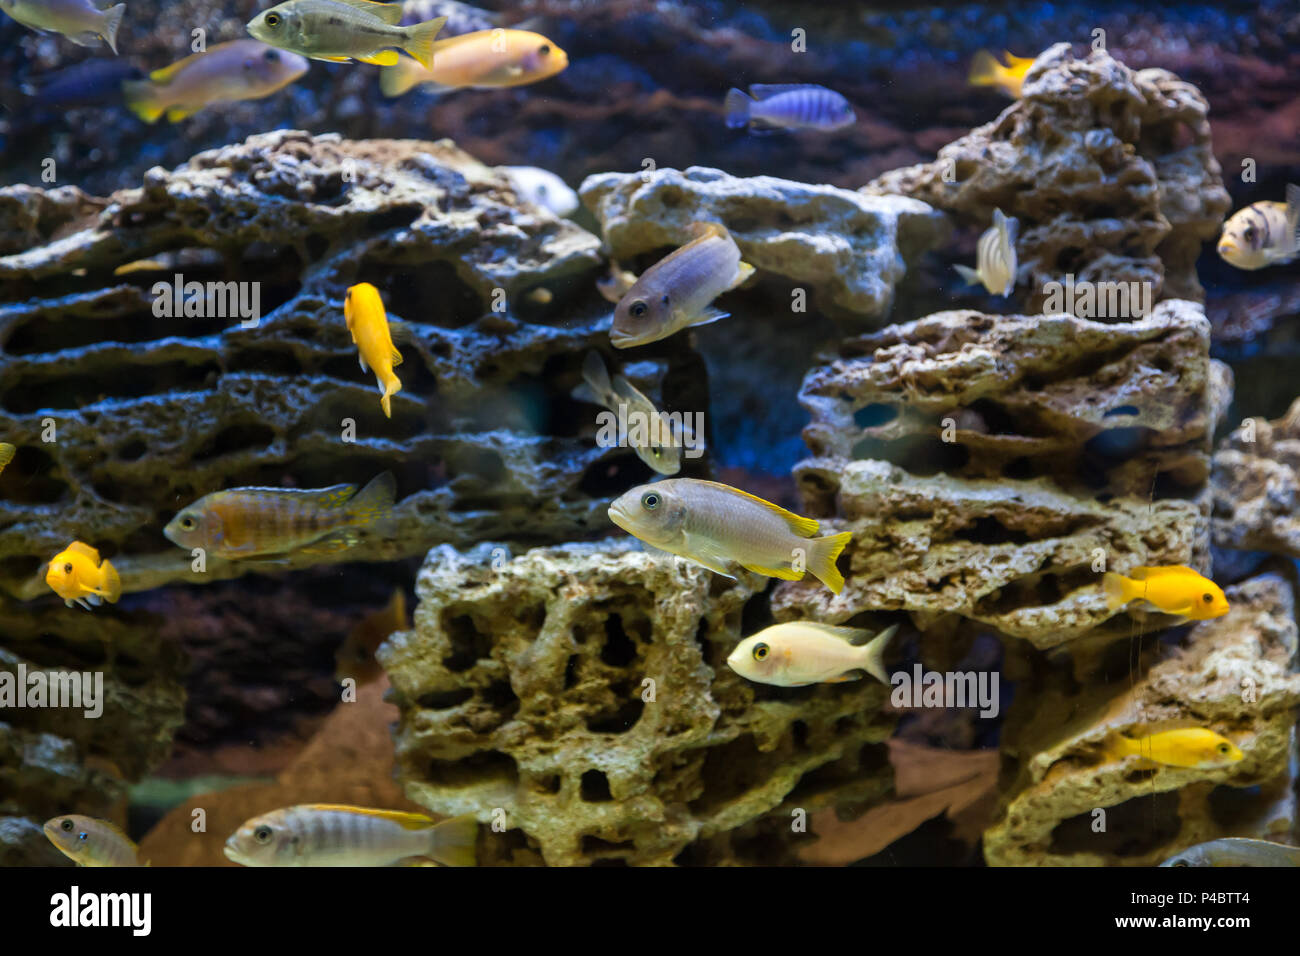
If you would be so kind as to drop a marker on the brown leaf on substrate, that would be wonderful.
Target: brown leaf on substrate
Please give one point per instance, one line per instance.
(927, 782)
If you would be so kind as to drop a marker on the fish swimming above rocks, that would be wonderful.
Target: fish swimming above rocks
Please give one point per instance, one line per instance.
(660, 446)
(716, 525)
(246, 523)
(1236, 851)
(363, 310)
(788, 106)
(1263, 234)
(355, 657)
(78, 575)
(94, 82)
(343, 30)
(322, 834)
(483, 60)
(798, 653)
(677, 291)
(227, 72)
(1175, 589)
(985, 70)
(1194, 747)
(995, 257)
(79, 20)
(90, 842)
(541, 187)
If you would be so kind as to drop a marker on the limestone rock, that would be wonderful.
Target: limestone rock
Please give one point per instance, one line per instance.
(1110, 171)
(851, 249)
(1233, 674)
(1256, 486)
(525, 690)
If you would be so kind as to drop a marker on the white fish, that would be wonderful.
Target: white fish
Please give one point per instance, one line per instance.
(543, 188)
(799, 653)
(995, 257)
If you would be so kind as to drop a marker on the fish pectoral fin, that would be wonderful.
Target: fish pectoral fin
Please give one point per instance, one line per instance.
(785, 574)
(362, 359)
(383, 58)
(332, 544)
(706, 554)
(178, 113)
(334, 59)
(855, 674)
(708, 316)
(969, 275)
(89, 38)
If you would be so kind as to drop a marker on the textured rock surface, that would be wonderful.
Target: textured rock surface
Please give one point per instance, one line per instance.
(521, 690)
(1233, 675)
(150, 413)
(1109, 170)
(852, 250)
(1256, 486)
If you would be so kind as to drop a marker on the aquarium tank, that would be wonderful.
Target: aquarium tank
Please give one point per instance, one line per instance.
(694, 434)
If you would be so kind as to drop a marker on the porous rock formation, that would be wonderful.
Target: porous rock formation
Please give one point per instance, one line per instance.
(1109, 170)
(1233, 674)
(1256, 486)
(579, 697)
(850, 249)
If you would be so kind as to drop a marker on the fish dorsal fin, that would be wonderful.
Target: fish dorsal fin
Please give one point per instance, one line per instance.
(1012, 227)
(804, 527)
(700, 230)
(1018, 62)
(390, 13)
(1145, 573)
(331, 497)
(166, 74)
(763, 91)
(85, 550)
(855, 636)
(408, 821)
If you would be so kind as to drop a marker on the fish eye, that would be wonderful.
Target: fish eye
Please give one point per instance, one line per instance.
(1224, 748)
(273, 19)
(1250, 234)
(544, 49)
(665, 298)
(1207, 598)
(649, 501)
(262, 834)
(638, 308)
(272, 55)
(187, 523)
(761, 651)
(66, 826)
(67, 568)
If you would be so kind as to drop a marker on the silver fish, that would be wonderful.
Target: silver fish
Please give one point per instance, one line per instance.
(662, 448)
(79, 20)
(995, 257)
(1236, 851)
(788, 106)
(341, 30)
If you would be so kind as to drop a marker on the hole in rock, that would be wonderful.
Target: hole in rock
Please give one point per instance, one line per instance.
(619, 721)
(49, 389)
(875, 415)
(468, 644)
(618, 649)
(233, 438)
(445, 699)
(1133, 828)
(595, 787)
(30, 478)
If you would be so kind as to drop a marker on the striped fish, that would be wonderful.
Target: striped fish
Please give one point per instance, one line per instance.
(252, 522)
(788, 106)
(325, 834)
(1263, 234)
(995, 257)
(90, 842)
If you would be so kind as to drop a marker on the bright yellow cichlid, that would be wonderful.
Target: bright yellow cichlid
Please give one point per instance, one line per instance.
(355, 657)
(363, 310)
(77, 574)
(256, 522)
(485, 59)
(715, 525)
(677, 291)
(91, 842)
(342, 30)
(323, 834)
(1263, 234)
(1175, 589)
(987, 71)
(1190, 747)
(7, 452)
(662, 447)
(799, 653)
(79, 20)
(238, 70)
(995, 257)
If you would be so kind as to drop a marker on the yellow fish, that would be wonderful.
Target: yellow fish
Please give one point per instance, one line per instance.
(1263, 234)
(323, 834)
(1176, 590)
(1191, 747)
(342, 30)
(799, 653)
(256, 522)
(355, 657)
(987, 71)
(238, 70)
(484, 59)
(368, 323)
(91, 842)
(714, 525)
(79, 20)
(77, 574)
(7, 452)
(995, 257)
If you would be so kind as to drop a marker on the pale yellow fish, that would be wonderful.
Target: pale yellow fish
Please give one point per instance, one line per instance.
(798, 653)
(1263, 234)
(91, 842)
(995, 257)
(1190, 747)
(650, 433)
(677, 291)
(363, 310)
(985, 70)
(484, 59)
(322, 834)
(238, 70)
(342, 30)
(79, 20)
(1175, 589)
(716, 525)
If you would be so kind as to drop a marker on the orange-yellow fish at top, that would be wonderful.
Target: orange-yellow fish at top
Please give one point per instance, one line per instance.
(368, 322)
(355, 657)
(985, 70)
(1175, 589)
(1189, 747)
(77, 574)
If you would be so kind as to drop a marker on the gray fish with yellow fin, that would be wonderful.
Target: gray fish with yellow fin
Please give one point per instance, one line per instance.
(227, 72)
(1236, 851)
(343, 30)
(79, 20)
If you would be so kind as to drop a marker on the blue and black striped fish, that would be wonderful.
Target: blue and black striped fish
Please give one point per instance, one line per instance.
(788, 106)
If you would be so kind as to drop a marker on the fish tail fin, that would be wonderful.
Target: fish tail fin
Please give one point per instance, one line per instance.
(112, 21)
(737, 105)
(396, 80)
(1293, 215)
(419, 40)
(453, 841)
(1118, 590)
(822, 555)
(985, 70)
(873, 655)
(112, 583)
(743, 271)
(1117, 746)
(392, 385)
(141, 100)
(968, 274)
(374, 502)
